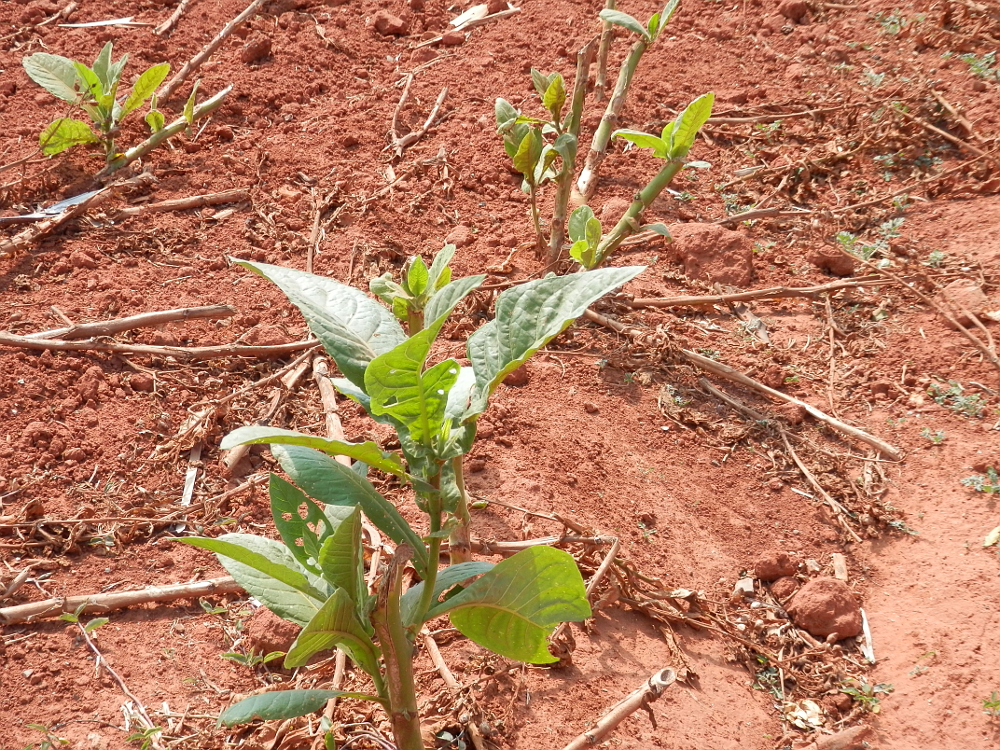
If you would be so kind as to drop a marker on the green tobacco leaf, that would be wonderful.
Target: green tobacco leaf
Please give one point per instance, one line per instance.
(445, 299)
(353, 328)
(689, 123)
(386, 289)
(330, 482)
(506, 115)
(625, 21)
(54, 73)
(145, 86)
(528, 316)
(446, 578)
(460, 394)
(283, 704)
(644, 140)
(577, 225)
(439, 273)
(286, 600)
(660, 229)
(336, 624)
(513, 608)
(555, 96)
(190, 103)
(659, 20)
(302, 536)
(90, 82)
(342, 558)
(155, 120)
(416, 277)
(582, 253)
(512, 141)
(528, 153)
(63, 134)
(104, 69)
(566, 145)
(541, 81)
(368, 451)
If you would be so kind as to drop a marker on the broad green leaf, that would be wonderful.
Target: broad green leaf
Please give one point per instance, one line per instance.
(155, 120)
(342, 559)
(528, 153)
(336, 624)
(94, 624)
(386, 289)
(54, 73)
(89, 82)
(689, 123)
(369, 452)
(505, 114)
(145, 86)
(566, 145)
(582, 253)
(286, 600)
(594, 232)
(302, 536)
(401, 307)
(460, 393)
(541, 81)
(446, 578)
(446, 298)
(624, 20)
(577, 225)
(543, 168)
(659, 20)
(333, 483)
(555, 96)
(189, 104)
(438, 267)
(528, 316)
(283, 704)
(103, 68)
(353, 328)
(416, 277)
(513, 608)
(63, 134)
(513, 139)
(644, 140)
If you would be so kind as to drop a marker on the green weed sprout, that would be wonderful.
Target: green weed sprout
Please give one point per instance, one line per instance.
(991, 705)
(867, 695)
(95, 91)
(590, 247)
(937, 437)
(989, 484)
(314, 576)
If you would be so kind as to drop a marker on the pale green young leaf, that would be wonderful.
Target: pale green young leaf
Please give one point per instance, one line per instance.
(285, 599)
(446, 579)
(369, 452)
(145, 86)
(283, 704)
(528, 316)
(565, 145)
(103, 69)
(439, 267)
(460, 394)
(190, 103)
(541, 81)
(302, 536)
(353, 328)
(659, 228)
(94, 624)
(155, 120)
(335, 625)
(63, 134)
(342, 557)
(644, 140)
(543, 168)
(506, 115)
(582, 252)
(89, 82)
(528, 153)
(446, 298)
(513, 139)
(624, 20)
(416, 277)
(555, 96)
(386, 289)
(594, 232)
(322, 478)
(401, 307)
(577, 225)
(512, 608)
(54, 73)
(443, 279)
(689, 123)
(653, 26)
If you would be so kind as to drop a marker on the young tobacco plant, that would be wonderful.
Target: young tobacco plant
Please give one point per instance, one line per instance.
(95, 91)
(314, 576)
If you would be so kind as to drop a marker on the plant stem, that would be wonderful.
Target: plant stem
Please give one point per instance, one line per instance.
(536, 220)
(629, 223)
(598, 147)
(137, 152)
(460, 543)
(414, 321)
(568, 171)
(607, 34)
(397, 652)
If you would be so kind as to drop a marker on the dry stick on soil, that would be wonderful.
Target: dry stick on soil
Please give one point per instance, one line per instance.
(473, 24)
(33, 234)
(593, 583)
(607, 34)
(143, 320)
(438, 661)
(182, 204)
(233, 456)
(954, 140)
(399, 143)
(641, 698)
(183, 353)
(99, 603)
(734, 375)
(196, 62)
(986, 349)
(169, 24)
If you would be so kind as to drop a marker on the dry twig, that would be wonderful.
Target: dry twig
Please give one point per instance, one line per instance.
(143, 320)
(184, 353)
(182, 204)
(169, 24)
(399, 143)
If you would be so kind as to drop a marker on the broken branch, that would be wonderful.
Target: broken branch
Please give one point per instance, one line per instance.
(143, 320)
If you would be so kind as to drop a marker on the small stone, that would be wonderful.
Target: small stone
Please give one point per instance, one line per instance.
(266, 632)
(784, 588)
(711, 253)
(744, 587)
(794, 10)
(79, 259)
(517, 378)
(350, 141)
(979, 85)
(794, 413)
(832, 261)
(826, 606)
(75, 454)
(417, 5)
(256, 49)
(959, 294)
(774, 565)
(776, 485)
(140, 381)
(496, 6)
(266, 336)
(476, 465)
(460, 236)
(387, 24)
(453, 38)
(590, 407)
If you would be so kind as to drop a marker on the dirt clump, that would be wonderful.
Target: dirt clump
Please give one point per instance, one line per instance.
(774, 565)
(711, 253)
(825, 606)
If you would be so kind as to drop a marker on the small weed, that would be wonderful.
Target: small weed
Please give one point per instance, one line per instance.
(991, 705)
(647, 531)
(871, 79)
(935, 259)
(252, 659)
(867, 695)
(710, 353)
(144, 737)
(982, 67)
(936, 437)
(953, 397)
(684, 196)
(989, 484)
(891, 23)
(52, 740)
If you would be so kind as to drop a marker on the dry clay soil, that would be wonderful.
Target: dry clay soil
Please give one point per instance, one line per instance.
(618, 437)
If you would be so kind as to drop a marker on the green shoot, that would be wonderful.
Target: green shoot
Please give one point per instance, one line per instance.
(51, 741)
(867, 695)
(989, 484)
(953, 397)
(936, 437)
(252, 659)
(991, 705)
